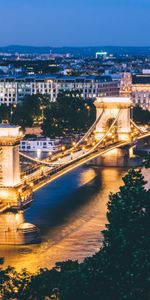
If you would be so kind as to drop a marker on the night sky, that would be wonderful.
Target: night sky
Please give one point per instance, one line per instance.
(75, 22)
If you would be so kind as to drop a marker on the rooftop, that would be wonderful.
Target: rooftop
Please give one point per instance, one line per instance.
(9, 131)
(8, 126)
(102, 78)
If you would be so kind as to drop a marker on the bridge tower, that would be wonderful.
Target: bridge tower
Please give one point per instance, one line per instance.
(14, 195)
(10, 137)
(111, 109)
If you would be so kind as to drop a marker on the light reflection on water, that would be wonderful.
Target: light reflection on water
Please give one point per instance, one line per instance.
(71, 212)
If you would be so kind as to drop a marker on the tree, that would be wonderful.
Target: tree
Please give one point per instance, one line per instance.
(146, 162)
(125, 256)
(5, 112)
(69, 114)
(120, 270)
(30, 110)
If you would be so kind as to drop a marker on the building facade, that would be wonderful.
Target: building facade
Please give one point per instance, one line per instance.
(138, 88)
(40, 145)
(141, 90)
(8, 92)
(13, 90)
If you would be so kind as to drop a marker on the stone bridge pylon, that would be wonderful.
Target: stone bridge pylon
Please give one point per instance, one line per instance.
(14, 196)
(111, 108)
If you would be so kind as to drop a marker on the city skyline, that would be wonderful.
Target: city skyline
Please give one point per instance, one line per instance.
(90, 23)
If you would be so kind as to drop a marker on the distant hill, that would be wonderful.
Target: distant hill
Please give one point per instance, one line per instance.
(79, 51)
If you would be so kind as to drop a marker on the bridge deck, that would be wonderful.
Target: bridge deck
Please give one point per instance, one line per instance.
(49, 175)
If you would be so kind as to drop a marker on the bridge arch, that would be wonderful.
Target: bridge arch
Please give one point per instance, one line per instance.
(109, 122)
(113, 108)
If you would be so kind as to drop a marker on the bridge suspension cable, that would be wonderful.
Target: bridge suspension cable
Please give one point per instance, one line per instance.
(68, 151)
(38, 161)
(87, 134)
(105, 135)
(136, 126)
(55, 163)
(99, 142)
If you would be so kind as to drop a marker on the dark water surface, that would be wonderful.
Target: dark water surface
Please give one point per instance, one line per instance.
(71, 212)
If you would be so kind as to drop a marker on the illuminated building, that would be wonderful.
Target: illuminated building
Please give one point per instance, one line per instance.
(40, 144)
(126, 85)
(141, 90)
(8, 92)
(13, 90)
(137, 87)
(101, 54)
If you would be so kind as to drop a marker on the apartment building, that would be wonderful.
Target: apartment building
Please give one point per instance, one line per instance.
(8, 92)
(14, 89)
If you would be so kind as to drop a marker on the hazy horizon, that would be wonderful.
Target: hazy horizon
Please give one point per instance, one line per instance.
(73, 46)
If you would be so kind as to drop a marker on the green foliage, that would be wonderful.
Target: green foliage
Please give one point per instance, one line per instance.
(5, 112)
(12, 283)
(146, 161)
(26, 112)
(120, 270)
(30, 110)
(126, 259)
(69, 114)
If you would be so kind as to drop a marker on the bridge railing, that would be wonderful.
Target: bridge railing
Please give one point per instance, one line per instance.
(88, 132)
(107, 133)
(70, 158)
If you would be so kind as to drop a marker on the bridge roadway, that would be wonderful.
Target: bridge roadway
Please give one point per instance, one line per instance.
(45, 167)
(48, 174)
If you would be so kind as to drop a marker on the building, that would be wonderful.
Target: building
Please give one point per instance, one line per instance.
(101, 55)
(15, 89)
(137, 87)
(8, 92)
(141, 90)
(40, 144)
(126, 85)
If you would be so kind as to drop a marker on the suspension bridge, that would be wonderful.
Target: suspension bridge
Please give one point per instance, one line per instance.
(112, 133)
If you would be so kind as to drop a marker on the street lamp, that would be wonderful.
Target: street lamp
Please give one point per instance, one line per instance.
(11, 111)
(73, 144)
(63, 149)
(25, 177)
(42, 110)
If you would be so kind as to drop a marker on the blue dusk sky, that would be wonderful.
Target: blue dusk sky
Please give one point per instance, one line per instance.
(75, 22)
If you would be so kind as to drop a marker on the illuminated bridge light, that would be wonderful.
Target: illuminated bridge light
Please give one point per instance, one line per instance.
(124, 130)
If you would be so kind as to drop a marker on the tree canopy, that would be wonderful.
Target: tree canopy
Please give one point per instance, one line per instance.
(69, 114)
(121, 268)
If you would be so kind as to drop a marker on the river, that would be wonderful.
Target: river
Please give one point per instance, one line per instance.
(71, 213)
